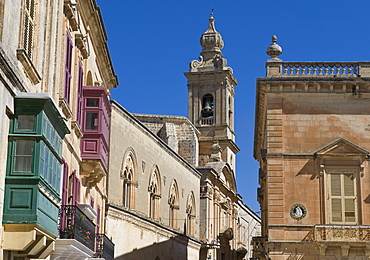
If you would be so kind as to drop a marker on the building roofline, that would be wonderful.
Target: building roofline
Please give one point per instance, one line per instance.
(155, 137)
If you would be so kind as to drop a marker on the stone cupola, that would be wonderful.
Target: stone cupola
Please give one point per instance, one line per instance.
(211, 40)
(211, 55)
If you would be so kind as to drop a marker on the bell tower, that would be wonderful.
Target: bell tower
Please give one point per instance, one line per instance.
(211, 99)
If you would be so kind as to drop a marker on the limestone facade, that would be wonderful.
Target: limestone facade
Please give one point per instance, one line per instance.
(51, 50)
(311, 142)
(153, 194)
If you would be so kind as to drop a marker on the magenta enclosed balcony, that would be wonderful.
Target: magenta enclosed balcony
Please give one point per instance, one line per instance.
(95, 127)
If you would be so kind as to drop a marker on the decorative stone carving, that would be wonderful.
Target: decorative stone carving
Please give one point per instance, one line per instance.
(211, 40)
(196, 64)
(274, 50)
(215, 152)
(206, 192)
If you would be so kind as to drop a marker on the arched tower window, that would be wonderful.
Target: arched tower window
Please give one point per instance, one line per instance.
(207, 105)
(190, 215)
(128, 176)
(154, 194)
(173, 202)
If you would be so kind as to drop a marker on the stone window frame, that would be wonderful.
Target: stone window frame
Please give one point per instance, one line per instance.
(330, 171)
(345, 157)
(154, 192)
(129, 177)
(173, 201)
(27, 39)
(190, 215)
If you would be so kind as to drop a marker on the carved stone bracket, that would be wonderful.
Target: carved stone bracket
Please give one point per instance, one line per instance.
(70, 11)
(345, 251)
(206, 192)
(76, 128)
(65, 108)
(81, 43)
(92, 172)
(322, 251)
(29, 68)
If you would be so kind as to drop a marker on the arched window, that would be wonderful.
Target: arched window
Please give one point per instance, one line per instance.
(207, 106)
(173, 201)
(128, 175)
(154, 194)
(190, 215)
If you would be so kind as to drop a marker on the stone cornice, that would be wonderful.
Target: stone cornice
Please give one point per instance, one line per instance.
(9, 76)
(205, 75)
(92, 17)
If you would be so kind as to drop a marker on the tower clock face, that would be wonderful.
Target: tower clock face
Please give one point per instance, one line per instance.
(298, 211)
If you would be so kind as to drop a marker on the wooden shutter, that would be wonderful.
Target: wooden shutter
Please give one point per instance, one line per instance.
(68, 69)
(63, 216)
(349, 198)
(343, 198)
(76, 189)
(79, 95)
(29, 23)
(65, 183)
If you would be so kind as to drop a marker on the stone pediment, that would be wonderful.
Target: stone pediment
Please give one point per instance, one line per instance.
(342, 148)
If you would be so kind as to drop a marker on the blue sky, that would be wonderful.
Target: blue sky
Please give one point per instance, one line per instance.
(152, 43)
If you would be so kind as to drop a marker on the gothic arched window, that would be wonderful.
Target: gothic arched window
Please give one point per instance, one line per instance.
(154, 190)
(190, 215)
(173, 201)
(128, 175)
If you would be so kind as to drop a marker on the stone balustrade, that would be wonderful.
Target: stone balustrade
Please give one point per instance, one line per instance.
(318, 69)
(206, 121)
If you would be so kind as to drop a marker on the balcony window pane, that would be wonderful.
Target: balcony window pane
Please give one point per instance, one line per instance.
(23, 156)
(350, 213)
(92, 102)
(337, 210)
(26, 122)
(349, 188)
(92, 121)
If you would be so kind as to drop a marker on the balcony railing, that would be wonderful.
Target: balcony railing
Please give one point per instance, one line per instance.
(206, 121)
(74, 224)
(104, 247)
(301, 69)
(338, 233)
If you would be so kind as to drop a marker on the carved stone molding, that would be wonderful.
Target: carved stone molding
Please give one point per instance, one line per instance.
(29, 68)
(65, 108)
(70, 11)
(76, 128)
(81, 43)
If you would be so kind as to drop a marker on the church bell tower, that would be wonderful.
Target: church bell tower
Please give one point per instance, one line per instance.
(211, 99)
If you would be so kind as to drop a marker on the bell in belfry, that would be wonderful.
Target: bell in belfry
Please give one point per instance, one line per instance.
(207, 110)
(207, 105)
